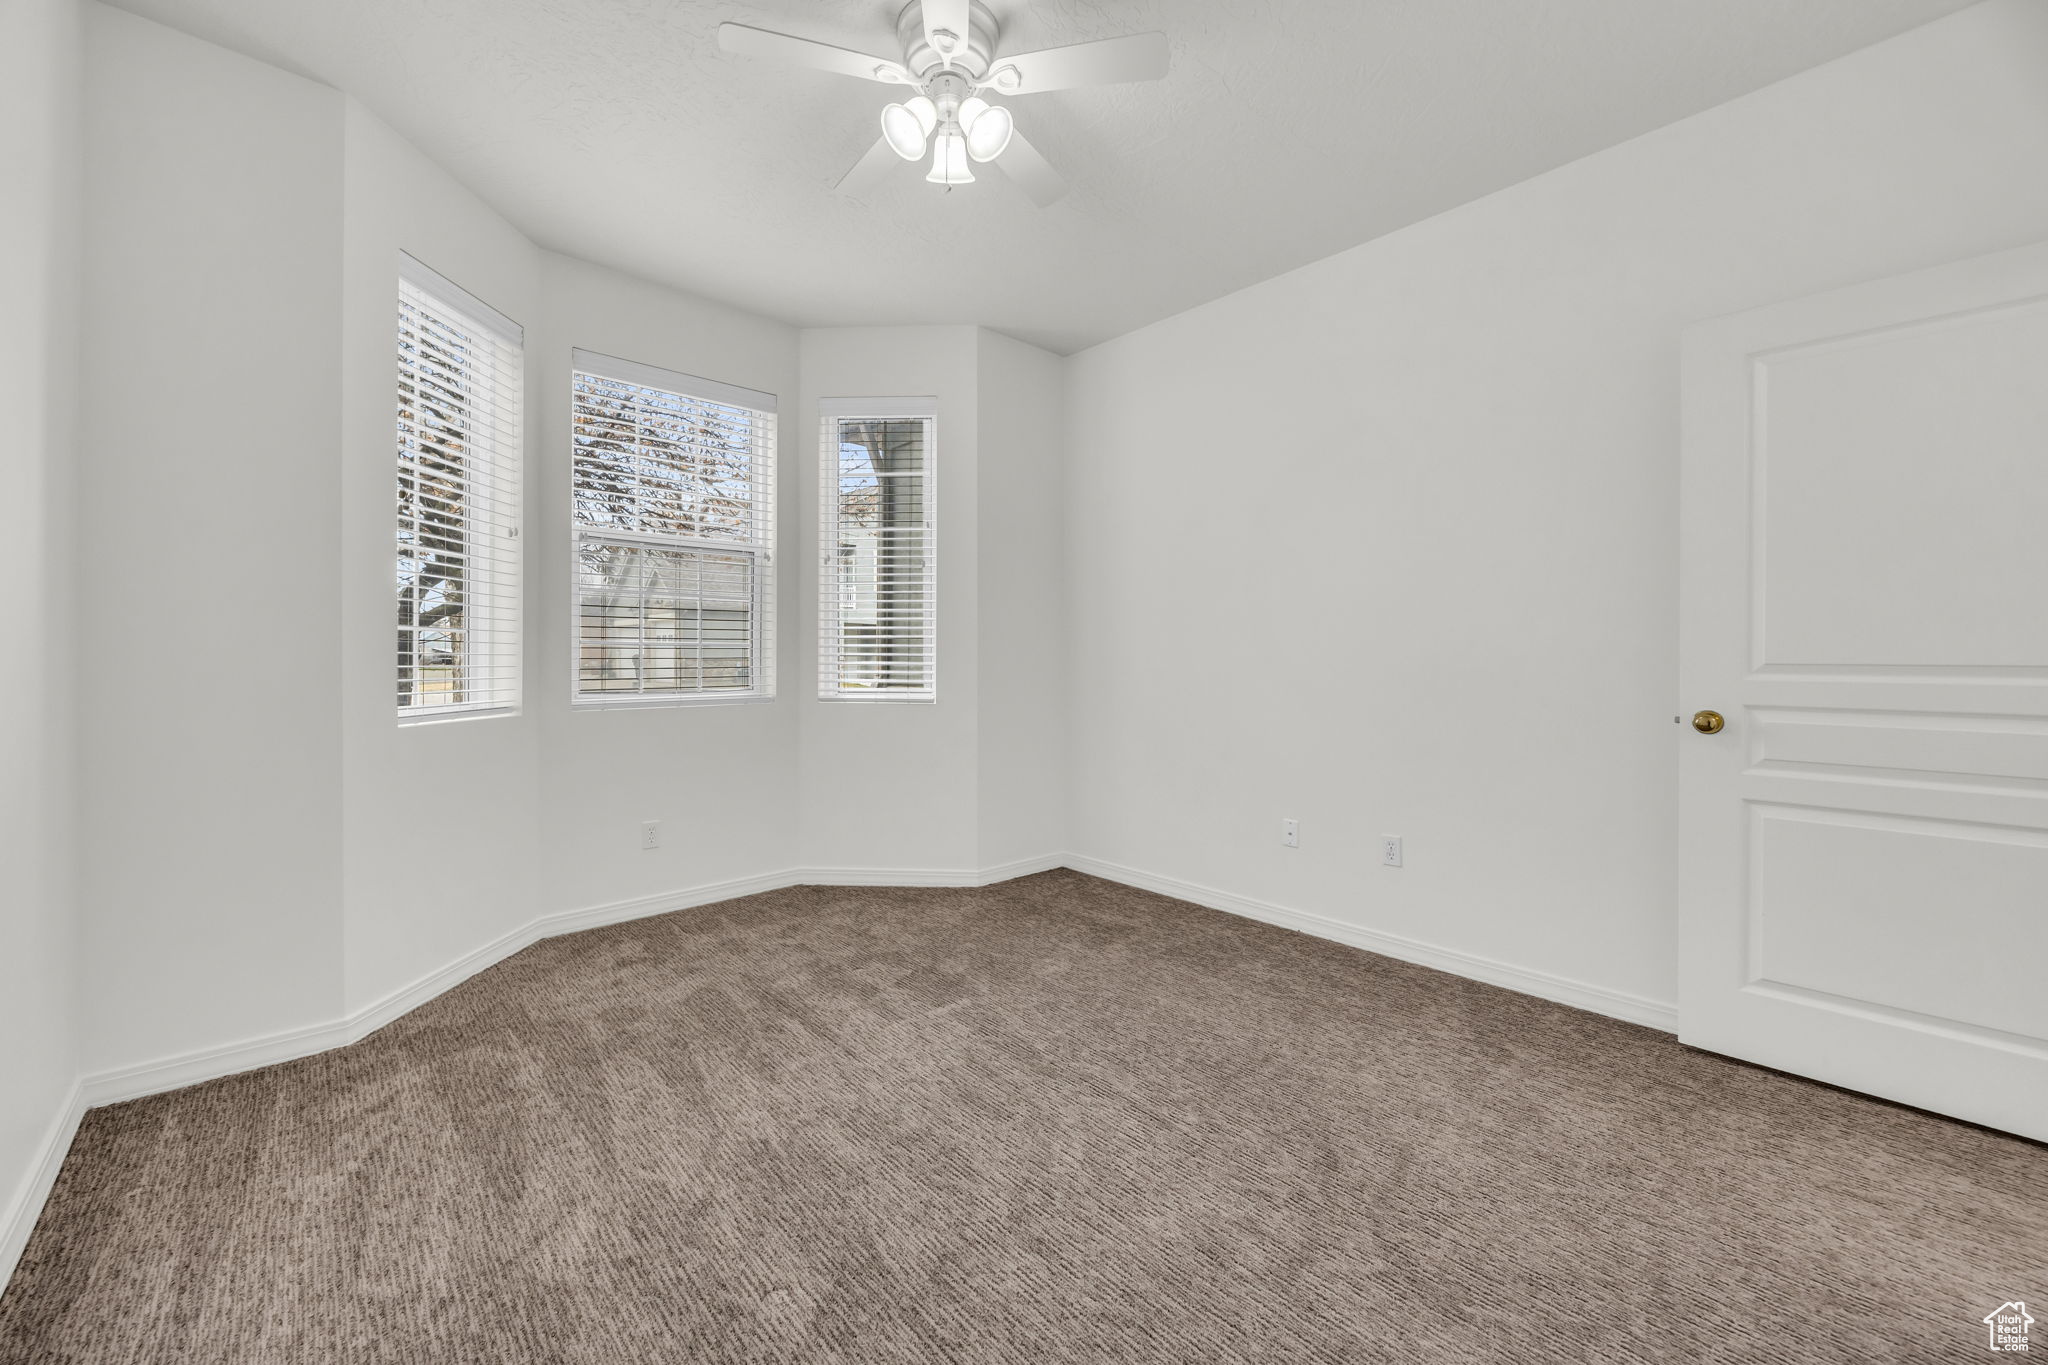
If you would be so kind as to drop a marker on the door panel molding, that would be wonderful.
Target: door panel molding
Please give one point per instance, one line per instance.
(1864, 848)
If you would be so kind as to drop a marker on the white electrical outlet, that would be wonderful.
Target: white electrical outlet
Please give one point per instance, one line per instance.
(650, 834)
(1390, 850)
(1290, 833)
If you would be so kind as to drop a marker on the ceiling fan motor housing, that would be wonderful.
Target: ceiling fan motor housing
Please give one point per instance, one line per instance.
(972, 51)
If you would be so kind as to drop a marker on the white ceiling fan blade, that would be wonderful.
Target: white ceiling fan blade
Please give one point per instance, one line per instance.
(869, 170)
(946, 16)
(1032, 172)
(783, 47)
(1138, 57)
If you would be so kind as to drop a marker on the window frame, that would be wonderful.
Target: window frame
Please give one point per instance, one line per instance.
(831, 413)
(504, 471)
(762, 629)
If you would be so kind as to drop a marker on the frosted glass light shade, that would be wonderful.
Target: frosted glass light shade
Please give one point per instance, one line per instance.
(988, 128)
(949, 158)
(903, 131)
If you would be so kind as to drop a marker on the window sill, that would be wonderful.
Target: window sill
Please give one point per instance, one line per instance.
(644, 703)
(451, 715)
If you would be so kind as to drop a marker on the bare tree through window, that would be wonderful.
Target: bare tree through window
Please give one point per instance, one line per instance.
(671, 496)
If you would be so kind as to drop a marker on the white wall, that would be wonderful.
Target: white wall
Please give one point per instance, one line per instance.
(39, 155)
(1384, 545)
(208, 558)
(288, 854)
(1021, 759)
(442, 846)
(271, 852)
(893, 785)
(720, 778)
(1387, 544)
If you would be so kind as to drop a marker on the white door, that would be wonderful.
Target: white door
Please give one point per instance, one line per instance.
(1864, 597)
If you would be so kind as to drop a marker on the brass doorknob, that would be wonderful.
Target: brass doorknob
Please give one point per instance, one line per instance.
(1708, 722)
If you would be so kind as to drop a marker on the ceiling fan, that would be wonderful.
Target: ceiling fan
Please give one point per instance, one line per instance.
(949, 59)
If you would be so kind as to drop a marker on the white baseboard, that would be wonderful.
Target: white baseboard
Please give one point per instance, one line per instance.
(171, 1073)
(405, 999)
(209, 1063)
(206, 1064)
(190, 1068)
(929, 876)
(27, 1204)
(618, 912)
(1635, 1009)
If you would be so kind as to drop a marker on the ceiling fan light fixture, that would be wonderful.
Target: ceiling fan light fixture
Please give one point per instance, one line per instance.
(905, 130)
(953, 52)
(949, 158)
(988, 128)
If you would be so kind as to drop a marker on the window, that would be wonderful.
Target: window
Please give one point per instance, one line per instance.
(878, 594)
(459, 397)
(674, 487)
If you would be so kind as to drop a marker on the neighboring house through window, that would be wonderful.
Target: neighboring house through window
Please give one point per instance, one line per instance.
(674, 512)
(878, 589)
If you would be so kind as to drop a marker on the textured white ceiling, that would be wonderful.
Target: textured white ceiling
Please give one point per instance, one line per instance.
(617, 131)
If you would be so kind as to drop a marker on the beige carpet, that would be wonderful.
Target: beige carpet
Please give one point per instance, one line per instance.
(1053, 1120)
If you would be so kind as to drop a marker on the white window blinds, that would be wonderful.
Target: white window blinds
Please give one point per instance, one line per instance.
(674, 488)
(878, 591)
(459, 400)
